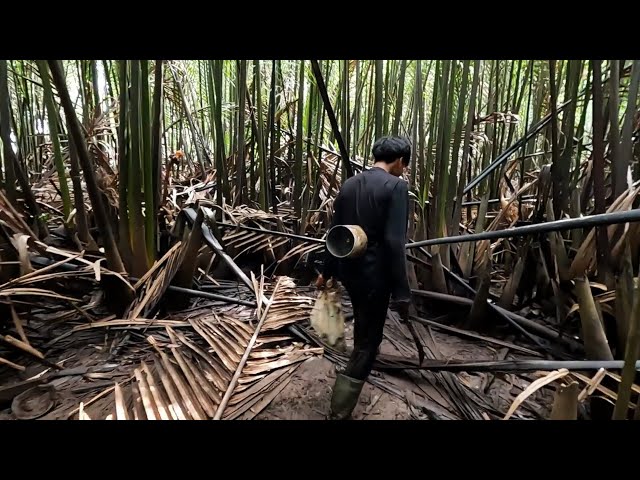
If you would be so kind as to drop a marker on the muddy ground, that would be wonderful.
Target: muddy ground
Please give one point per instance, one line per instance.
(308, 394)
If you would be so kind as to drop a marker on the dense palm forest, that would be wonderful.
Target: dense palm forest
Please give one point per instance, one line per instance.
(116, 161)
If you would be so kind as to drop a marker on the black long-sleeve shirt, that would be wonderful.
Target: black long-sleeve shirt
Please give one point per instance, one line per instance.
(379, 203)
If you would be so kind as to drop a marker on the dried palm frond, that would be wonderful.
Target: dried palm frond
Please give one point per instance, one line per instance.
(155, 282)
(499, 117)
(302, 250)
(38, 292)
(591, 385)
(195, 363)
(585, 259)
(508, 213)
(536, 385)
(329, 167)
(10, 218)
(15, 366)
(238, 371)
(240, 242)
(132, 323)
(189, 382)
(288, 307)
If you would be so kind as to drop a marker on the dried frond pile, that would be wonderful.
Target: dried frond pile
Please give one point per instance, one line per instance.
(194, 362)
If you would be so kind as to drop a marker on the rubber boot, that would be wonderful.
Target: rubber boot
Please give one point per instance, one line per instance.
(346, 392)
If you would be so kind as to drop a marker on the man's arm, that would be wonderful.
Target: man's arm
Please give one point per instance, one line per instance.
(396, 239)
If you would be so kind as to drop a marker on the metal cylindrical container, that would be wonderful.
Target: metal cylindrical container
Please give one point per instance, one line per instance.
(346, 241)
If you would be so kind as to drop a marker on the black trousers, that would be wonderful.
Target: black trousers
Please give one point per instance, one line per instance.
(369, 315)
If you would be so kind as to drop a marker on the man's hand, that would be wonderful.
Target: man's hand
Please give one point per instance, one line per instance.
(321, 283)
(401, 307)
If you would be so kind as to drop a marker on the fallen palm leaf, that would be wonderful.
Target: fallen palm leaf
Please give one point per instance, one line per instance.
(24, 346)
(256, 368)
(217, 374)
(157, 265)
(155, 282)
(200, 395)
(9, 363)
(156, 393)
(68, 257)
(174, 406)
(13, 218)
(262, 401)
(301, 250)
(121, 409)
(18, 324)
(240, 335)
(535, 386)
(138, 410)
(585, 258)
(459, 396)
(267, 399)
(132, 323)
(256, 387)
(208, 375)
(465, 333)
(505, 212)
(94, 399)
(9, 292)
(225, 336)
(52, 276)
(610, 394)
(269, 353)
(212, 397)
(192, 406)
(618, 379)
(150, 409)
(222, 345)
(244, 358)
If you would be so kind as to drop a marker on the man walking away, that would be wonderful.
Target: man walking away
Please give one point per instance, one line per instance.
(377, 201)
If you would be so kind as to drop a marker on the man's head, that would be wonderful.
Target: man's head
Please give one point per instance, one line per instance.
(394, 152)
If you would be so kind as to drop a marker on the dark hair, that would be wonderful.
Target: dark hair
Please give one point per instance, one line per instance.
(390, 148)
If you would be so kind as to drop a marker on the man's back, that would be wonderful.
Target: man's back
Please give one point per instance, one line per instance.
(364, 200)
(378, 202)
